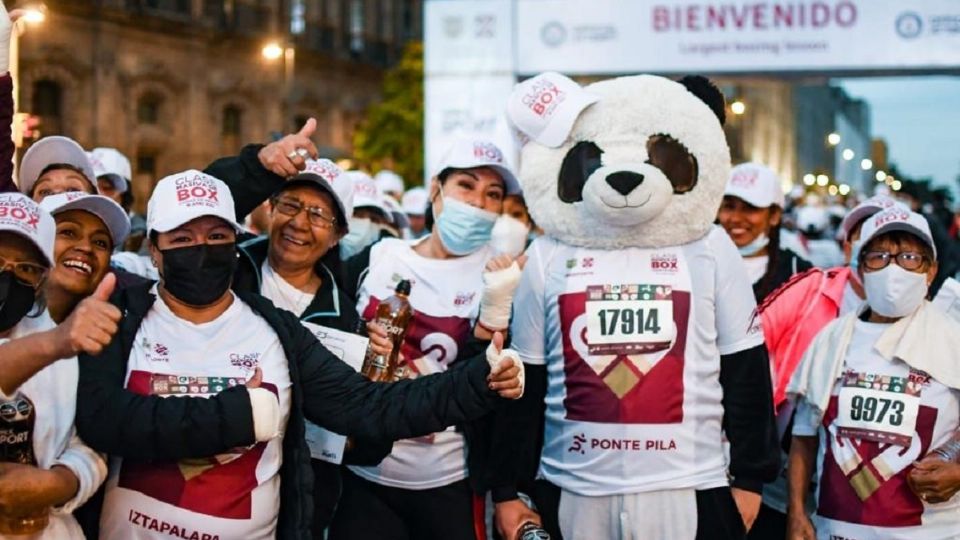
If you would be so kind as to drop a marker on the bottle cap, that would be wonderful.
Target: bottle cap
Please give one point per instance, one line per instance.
(403, 287)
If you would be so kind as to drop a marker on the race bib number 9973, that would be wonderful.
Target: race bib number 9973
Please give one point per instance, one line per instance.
(878, 408)
(629, 319)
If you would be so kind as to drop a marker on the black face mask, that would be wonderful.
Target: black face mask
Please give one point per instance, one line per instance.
(199, 275)
(16, 299)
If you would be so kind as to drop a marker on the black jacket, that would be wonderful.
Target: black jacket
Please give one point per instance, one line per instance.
(324, 389)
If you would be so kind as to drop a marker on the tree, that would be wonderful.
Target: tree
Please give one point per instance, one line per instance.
(391, 134)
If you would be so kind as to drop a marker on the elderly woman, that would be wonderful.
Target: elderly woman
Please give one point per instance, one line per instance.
(202, 397)
(876, 392)
(47, 471)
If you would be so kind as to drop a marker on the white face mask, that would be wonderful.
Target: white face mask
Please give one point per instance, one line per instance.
(893, 291)
(362, 233)
(509, 236)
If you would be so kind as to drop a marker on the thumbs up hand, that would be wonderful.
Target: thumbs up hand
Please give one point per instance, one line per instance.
(288, 156)
(506, 369)
(92, 324)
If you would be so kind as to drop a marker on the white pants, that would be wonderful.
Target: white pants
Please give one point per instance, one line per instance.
(660, 515)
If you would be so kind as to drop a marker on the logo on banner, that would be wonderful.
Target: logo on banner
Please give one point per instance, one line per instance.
(485, 26)
(197, 190)
(553, 34)
(909, 25)
(453, 27)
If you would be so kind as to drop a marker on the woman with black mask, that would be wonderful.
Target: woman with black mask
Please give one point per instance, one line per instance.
(202, 397)
(47, 471)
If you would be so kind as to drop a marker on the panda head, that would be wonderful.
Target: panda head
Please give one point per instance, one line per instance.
(643, 166)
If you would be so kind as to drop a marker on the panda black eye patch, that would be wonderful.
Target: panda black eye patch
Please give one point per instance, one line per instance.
(580, 162)
(676, 162)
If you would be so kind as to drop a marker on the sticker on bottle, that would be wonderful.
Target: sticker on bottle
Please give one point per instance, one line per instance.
(879, 408)
(629, 319)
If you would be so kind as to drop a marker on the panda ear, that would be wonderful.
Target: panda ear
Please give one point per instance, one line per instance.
(708, 92)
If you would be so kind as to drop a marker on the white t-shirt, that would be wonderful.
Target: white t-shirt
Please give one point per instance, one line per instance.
(756, 267)
(53, 391)
(230, 495)
(282, 294)
(850, 302)
(634, 397)
(445, 296)
(862, 493)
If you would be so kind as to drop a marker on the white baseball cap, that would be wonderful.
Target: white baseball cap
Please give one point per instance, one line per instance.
(756, 184)
(325, 174)
(109, 212)
(545, 107)
(110, 162)
(388, 181)
(50, 150)
(862, 211)
(397, 216)
(20, 215)
(365, 193)
(188, 195)
(812, 217)
(414, 202)
(897, 218)
(463, 153)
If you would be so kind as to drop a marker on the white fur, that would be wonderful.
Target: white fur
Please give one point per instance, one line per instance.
(629, 111)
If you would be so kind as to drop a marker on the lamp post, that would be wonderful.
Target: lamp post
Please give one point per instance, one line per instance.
(31, 15)
(272, 52)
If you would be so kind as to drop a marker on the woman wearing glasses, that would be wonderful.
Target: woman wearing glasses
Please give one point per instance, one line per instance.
(878, 395)
(46, 470)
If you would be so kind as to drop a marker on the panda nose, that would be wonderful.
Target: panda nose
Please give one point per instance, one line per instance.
(624, 181)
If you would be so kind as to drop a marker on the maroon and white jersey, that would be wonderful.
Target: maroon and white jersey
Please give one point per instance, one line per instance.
(231, 495)
(882, 417)
(632, 340)
(445, 297)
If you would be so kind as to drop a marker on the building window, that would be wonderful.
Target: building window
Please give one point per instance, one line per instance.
(298, 11)
(357, 24)
(48, 104)
(148, 109)
(232, 121)
(147, 164)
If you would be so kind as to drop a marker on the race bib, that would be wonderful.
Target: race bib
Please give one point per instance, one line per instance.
(879, 408)
(629, 319)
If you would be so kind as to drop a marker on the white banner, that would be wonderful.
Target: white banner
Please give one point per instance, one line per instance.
(473, 106)
(618, 36)
(468, 36)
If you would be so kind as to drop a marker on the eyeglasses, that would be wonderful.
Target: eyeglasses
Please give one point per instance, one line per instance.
(28, 273)
(908, 260)
(315, 215)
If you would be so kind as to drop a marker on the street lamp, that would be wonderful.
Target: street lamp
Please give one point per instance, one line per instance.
(738, 107)
(273, 51)
(809, 179)
(848, 154)
(34, 15)
(880, 176)
(823, 180)
(833, 139)
(844, 189)
(866, 164)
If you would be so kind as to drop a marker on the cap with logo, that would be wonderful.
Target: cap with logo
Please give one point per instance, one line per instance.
(111, 163)
(326, 175)
(48, 151)
(756, 184)
(862, 211)
(388, 181)
(897, 218)
(463, 153)
(110, 213)
(365, 193)
(188, 195)
(20, 215)
(414, 202)
(397, 216)
(545, 107)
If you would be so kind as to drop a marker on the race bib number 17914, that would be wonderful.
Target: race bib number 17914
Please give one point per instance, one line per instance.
(629, 319)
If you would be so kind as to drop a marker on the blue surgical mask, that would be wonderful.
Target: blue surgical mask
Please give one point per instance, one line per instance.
(755, 246)
(463, 229)
(362, 233)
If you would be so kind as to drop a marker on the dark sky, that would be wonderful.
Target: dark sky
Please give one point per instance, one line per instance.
(920, 119)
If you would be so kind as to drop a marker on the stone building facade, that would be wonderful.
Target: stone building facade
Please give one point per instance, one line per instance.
(176, 83)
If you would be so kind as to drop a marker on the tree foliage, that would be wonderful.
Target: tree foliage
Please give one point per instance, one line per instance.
(391, 134)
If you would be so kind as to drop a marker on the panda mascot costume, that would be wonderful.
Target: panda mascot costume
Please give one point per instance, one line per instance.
(635, 319)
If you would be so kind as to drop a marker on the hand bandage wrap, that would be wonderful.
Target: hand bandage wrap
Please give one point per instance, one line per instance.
(494, 358)
(497, 299)
(266, 414)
